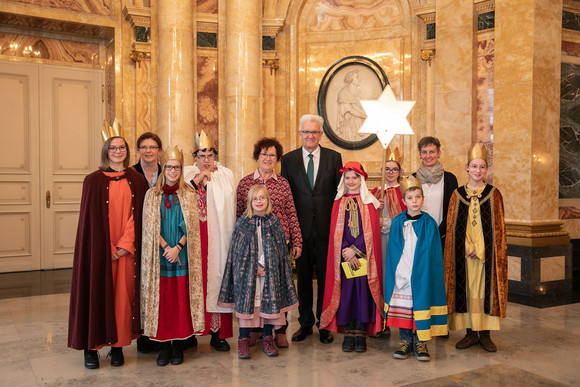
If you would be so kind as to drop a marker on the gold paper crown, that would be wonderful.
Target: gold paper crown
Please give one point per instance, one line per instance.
(477, 151)
(394, 155)
(203, 141)
(111, 131)
(171, 154)
(409, 182)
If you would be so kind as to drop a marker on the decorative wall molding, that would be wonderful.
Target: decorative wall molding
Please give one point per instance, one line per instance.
(536, 232)
(139, 52)
(271, 26)
(571, 6)
(137, 16)
(273, 64)
(485, 6)
(207, 22)
(426, 12)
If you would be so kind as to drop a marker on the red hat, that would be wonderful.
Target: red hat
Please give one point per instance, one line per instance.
(355, 167)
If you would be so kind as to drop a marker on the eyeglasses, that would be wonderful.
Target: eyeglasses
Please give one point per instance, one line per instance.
(310, 133)
(205, 157)
(389, 170)
(152, 147)
(174, 167)
(121, 148)
(258, 198)
(268, 155)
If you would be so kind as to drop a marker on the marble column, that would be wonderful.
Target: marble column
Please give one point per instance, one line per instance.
(175, 77)
(454, 82)
(528, 35)
(243, 60)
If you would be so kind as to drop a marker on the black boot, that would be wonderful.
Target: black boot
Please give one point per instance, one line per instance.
(177, 352)
(360, 341)
(117, 358)
(348, 343)
(91, 359)
(164, 354)
(219, 344)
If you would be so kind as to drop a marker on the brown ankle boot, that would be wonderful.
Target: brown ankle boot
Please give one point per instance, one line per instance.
(469, 340)
(485, 341)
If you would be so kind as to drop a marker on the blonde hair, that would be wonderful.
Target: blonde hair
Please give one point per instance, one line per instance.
(253, 191)
(105, 154)
(158, 187)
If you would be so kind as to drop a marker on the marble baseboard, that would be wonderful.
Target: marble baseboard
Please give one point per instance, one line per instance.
(541, 276)
(35, 283)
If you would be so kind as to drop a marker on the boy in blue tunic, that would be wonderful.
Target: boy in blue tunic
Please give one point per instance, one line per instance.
(415, 298)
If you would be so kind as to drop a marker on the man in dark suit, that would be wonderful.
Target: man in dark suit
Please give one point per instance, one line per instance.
(313, 174)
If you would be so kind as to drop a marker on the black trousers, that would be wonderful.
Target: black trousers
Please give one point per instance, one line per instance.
(314, 252)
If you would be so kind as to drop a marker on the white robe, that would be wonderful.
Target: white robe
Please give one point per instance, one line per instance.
(221, 219)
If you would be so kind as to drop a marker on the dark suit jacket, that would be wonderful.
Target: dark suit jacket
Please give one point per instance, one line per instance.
(449, 186)
(314, 207)
(139, 169)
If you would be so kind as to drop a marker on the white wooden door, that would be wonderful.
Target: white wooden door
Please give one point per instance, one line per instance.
(50, 129)
(72, 114)
(19, 168)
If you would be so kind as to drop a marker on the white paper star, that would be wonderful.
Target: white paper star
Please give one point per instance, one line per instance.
(387, 117)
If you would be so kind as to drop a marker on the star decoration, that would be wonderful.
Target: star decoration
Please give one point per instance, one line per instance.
(387, 117)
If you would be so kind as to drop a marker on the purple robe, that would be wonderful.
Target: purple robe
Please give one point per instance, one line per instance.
(356, 300)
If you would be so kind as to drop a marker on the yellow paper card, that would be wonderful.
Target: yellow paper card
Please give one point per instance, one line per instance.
(351, 273)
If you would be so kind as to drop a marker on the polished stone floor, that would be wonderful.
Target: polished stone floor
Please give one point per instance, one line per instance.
(537, 347)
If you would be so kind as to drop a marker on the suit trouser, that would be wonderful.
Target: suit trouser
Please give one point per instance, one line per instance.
(314, 256)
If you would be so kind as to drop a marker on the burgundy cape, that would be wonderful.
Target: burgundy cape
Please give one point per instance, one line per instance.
(332, 289)
(92, 308)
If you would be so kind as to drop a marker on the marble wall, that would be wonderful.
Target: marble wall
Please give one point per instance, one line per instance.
(331, 30)
(455, 72)
(207, 6)
(57, 51)
(207, 95)
(484, 101)
(98, 7)
(569, 203)
(570, 132)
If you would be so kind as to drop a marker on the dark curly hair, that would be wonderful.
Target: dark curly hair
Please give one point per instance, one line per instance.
(265, 143)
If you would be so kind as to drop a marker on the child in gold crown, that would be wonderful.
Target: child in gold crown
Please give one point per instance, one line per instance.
(414, 283)
(476, 256)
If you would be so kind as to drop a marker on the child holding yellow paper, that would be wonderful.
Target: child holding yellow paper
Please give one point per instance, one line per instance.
(353, 305)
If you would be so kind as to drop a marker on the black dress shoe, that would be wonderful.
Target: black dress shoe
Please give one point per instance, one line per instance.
(91, 359)
(164, 354)
(190, 342)
(326, 337)
(177, 353)
(146, 345)
(117, 358)
(218, 344)
(301, 333)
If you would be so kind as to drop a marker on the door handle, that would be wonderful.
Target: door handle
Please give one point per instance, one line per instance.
(47, 199)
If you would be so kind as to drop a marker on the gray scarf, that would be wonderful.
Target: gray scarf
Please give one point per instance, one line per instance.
(432, 176)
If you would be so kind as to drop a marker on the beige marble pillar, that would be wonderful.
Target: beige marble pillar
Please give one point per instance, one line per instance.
(175, 93)
(243, 59)
(454, 82)
(526, 148)
(526, 106)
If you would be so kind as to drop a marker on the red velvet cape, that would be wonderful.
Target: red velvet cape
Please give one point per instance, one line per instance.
(92, 308)
(332, 287)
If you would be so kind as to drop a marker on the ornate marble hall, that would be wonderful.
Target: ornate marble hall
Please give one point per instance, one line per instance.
(502, 73)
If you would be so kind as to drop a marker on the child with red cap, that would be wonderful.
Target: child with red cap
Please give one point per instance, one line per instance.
(353, 305)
